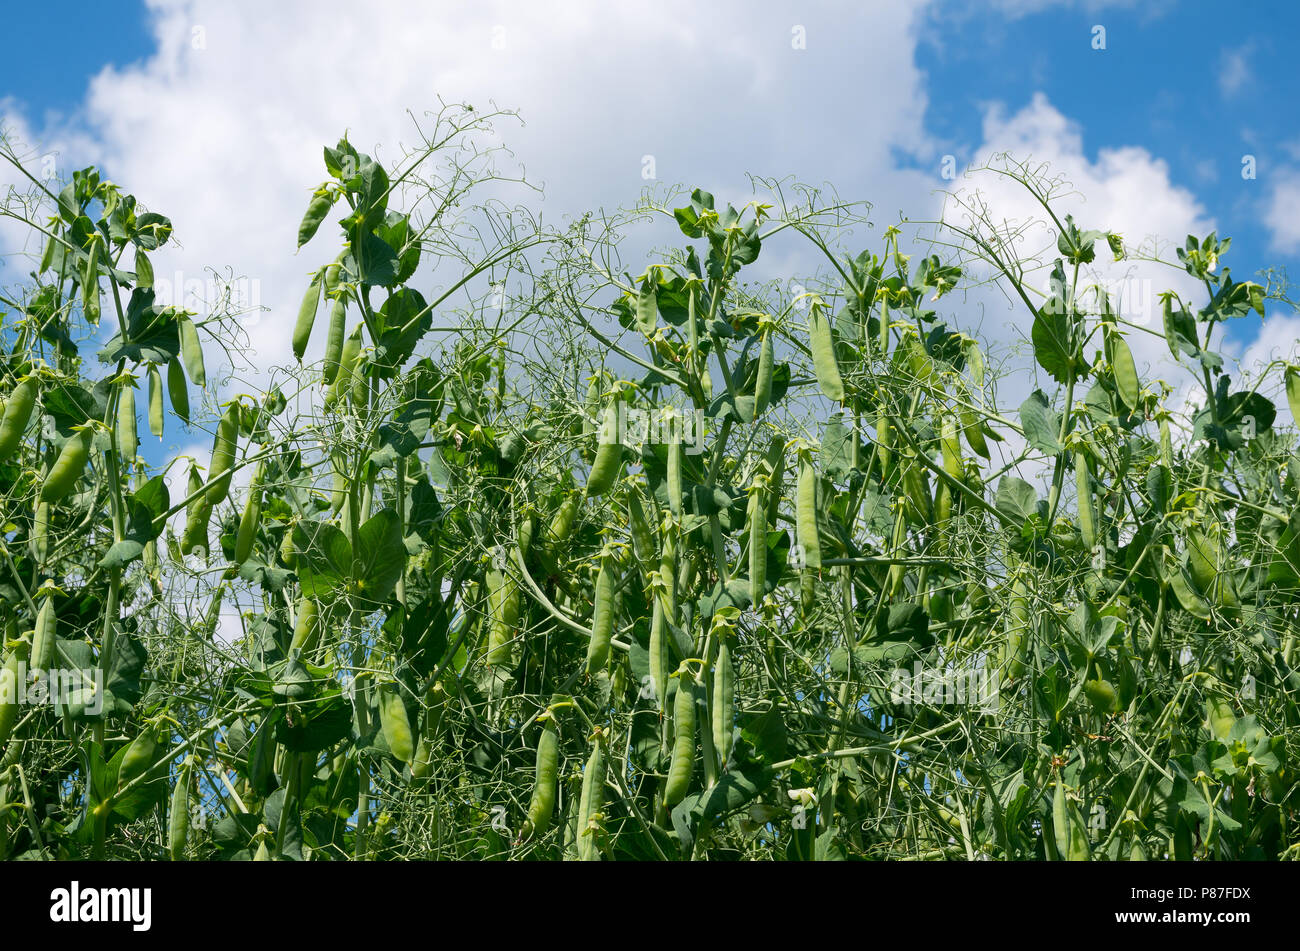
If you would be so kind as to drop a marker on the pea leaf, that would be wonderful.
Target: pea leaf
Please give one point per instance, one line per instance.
(1041, 423)
(325, 558)
(381, 554)
(1016, 499)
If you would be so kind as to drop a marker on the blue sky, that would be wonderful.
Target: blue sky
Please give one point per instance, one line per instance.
(1200, 84)
(1152, 128)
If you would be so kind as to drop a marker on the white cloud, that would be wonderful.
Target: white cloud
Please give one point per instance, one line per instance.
(1125, 190)
(222, 129)
(1282, 213)
(1234, 70)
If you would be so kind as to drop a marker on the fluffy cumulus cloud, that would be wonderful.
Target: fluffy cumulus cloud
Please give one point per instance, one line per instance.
(222, 128)
(1282, 212)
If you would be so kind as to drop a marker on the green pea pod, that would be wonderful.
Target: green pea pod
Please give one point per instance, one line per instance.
(41, 533)
(647, 305)
(973, 430)
(177, 390)
(9, 706)
(17, 414)
(396, 723)
(249, 521)
(307, 316)
(591, 801)
(178, 818)
(306, 627)
(643, 540)
(757, 545)
(141, 756)
(334, 340)
(1123, 369)
(45, 637)
(361, 380)
(562, 523)
(602, 618)
(47, 256)
(317, 209)
(916, 490)
(1060, 820)
(682, 765)
(67, 469)
(545, 773)
(609, 455)
(763, 385)
(223, 455)
(668, 571)
(1083, 489)
(422, 765)
(822, 345)
(1015, 649)
(658, 653)
(195, 535)
(776, 475)
(1293, 393)
(724, 701)
(90, 284)
(343, 383)
(675, 453)
(503, 616)
(128, 439)
(806, 516)
(192, 352)
(155, 402)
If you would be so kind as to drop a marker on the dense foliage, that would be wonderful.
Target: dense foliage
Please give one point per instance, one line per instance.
(561, 562)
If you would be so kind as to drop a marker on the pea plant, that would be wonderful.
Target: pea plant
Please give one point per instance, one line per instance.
(570, 559)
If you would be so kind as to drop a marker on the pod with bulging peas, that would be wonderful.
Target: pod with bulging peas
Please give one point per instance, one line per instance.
(546, 770)
(608, 464)
(1087, 514)
(682, 764)
(17, 413)
(825, 365)
(223, 455)
(192, 352)
(602, 617)
(503, 598)
(763, 383)
(45, 637)
(177, 390)
(155, 401)
(69, 466)
(128, 439)
(178, 816)
(591, 802)
(252, 516)
(307, 316)
(9, 705)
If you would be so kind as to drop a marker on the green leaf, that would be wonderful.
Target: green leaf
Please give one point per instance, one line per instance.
(324, 560)
(1041, 423)
(1016, 499)
(381, 554)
